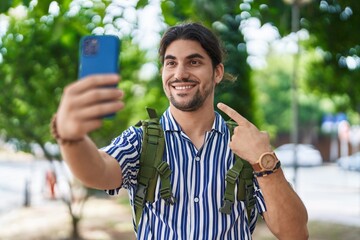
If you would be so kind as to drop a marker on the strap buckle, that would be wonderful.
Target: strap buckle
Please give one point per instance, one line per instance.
(249, 189)
(226, 207)
(164, 169)
(165, 191)
(232, 176)
(171, 200)
(140, 195)
(151, 112)
(166, 194)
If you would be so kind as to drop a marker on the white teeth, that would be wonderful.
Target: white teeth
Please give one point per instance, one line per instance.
(183, 87)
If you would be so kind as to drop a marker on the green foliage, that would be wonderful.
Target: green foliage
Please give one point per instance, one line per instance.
(5, 5)
(35, 68)
(40, 57)
(332, 25)
(142, 4)
(175, 11)
(239, 94)
(276, 12)
(274, 84)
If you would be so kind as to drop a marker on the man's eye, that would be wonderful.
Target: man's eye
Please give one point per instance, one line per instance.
(170, 63)
(194, 62)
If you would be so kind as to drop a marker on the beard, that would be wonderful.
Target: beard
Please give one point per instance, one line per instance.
(194, 103)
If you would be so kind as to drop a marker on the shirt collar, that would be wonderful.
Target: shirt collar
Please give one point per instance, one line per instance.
(169, 123)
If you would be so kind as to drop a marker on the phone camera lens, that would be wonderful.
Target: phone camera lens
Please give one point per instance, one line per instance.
(90, 46)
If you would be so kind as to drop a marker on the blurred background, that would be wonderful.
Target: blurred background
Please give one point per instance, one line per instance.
(298, 69)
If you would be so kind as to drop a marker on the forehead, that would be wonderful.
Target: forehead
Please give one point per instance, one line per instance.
(184, 48)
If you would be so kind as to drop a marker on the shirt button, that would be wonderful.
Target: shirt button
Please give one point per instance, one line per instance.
(197, 159)
(196, 199)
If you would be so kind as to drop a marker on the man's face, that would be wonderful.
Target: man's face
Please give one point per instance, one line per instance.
(188, 76)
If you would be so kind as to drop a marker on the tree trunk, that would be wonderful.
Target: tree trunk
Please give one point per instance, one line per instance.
(75, 230)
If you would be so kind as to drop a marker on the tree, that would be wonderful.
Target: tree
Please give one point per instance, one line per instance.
(39, 57)
(330, 24)
(5, 5)
(336, 72)
(274, 83)
(36, 57)
(35, 73)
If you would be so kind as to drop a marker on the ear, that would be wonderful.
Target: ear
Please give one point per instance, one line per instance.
(219, 73)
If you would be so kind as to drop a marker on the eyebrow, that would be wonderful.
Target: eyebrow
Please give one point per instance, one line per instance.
(194, 55)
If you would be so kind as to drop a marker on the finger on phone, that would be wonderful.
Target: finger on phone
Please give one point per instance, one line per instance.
(95, 81)
(98, 95)
(104, 79)
(100, 110)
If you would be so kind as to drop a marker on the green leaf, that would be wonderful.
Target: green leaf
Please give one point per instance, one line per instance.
(43, 6)
(5, 5)
(141, 4)
(26, 3)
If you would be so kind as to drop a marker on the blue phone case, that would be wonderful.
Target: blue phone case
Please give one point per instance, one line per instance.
(99, 55)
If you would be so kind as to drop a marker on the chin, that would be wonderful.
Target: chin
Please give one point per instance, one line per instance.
(186, 107)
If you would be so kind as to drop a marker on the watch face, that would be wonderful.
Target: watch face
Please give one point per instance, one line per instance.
(268, 162)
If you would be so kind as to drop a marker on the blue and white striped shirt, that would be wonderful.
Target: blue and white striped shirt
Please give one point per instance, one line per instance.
(197, 181)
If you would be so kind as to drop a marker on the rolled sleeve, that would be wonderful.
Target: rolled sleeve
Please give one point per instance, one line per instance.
(260, 201)
(126, 149)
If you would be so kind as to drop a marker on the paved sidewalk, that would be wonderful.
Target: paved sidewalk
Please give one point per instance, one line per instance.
(103, 218)
(329, 193)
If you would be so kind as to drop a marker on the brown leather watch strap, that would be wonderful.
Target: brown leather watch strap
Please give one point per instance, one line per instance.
(265, 173)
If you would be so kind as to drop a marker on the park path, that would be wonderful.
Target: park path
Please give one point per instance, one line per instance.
(103, 218)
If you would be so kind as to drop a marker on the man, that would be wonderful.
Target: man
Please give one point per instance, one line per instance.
(199, 148)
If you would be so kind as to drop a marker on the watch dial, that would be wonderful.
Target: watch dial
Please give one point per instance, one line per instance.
(268, 162)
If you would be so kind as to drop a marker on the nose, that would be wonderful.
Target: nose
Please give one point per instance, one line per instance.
(181, 73)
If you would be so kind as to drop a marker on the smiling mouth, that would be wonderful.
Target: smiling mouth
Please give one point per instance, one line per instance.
(183, 87)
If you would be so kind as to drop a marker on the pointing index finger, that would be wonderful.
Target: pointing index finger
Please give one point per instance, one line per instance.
(240, 120)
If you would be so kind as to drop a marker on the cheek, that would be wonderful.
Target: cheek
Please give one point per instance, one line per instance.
(165, 85)
(164, 81)
(165, 77)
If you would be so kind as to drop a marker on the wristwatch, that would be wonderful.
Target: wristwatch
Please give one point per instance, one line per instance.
(268, 163)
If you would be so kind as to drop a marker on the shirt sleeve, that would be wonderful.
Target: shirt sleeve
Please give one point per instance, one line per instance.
(259, 208)
(260, 202)
(126, 149)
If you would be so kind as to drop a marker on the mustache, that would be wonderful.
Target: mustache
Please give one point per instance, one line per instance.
(182, 81)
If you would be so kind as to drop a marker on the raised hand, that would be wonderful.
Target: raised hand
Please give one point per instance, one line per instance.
(84, 102)
(247, 141)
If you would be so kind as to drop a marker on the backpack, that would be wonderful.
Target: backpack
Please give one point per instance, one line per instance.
(152, 166)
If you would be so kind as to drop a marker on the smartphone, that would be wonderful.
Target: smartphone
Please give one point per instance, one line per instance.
(99, 54)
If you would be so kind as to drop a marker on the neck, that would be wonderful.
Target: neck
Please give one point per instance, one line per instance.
(195, 123)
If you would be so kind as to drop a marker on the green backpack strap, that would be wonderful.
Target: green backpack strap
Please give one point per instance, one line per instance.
(231, 179)
(246, 188)
(241, 173)
(152, 166)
